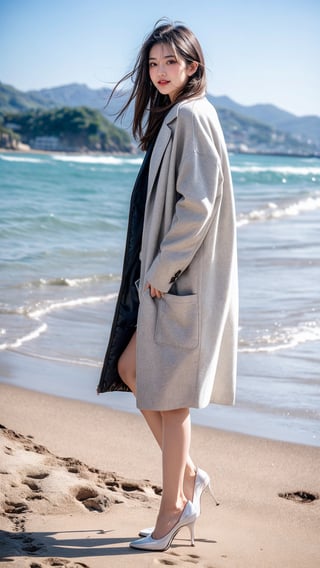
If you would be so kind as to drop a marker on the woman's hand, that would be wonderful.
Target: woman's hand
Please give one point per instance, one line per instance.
(154, 293)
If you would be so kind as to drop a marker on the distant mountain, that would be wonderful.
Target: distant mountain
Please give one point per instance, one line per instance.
(267, 113)
(261, 128)
(306, 127)
(71, 95)
(12, 100)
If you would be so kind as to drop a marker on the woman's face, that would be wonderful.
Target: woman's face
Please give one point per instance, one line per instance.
(168, 73)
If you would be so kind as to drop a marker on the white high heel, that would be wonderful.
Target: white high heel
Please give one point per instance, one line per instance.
(187, 519)
(202, 482)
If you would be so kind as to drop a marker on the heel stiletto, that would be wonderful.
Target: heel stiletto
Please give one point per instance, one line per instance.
(212, 494)
(201, 484)
(187, 519)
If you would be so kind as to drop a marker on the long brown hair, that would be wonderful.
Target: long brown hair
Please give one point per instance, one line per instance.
(150, 106)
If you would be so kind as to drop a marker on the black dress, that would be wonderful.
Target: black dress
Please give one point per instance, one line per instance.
(126, 312)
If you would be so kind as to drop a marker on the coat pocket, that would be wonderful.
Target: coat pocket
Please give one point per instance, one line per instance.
(178, 321)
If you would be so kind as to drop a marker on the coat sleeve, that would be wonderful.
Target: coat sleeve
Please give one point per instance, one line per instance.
(198, 183)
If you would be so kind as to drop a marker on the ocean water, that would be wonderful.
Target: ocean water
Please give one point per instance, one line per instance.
(62, 233)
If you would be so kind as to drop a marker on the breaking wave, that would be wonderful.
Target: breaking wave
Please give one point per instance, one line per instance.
(37, 314)
(277, 211)
(282, 338)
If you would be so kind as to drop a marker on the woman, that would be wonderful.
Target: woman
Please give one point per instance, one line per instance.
(173, 343)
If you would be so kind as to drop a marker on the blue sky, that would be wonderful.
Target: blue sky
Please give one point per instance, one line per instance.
(257, 51)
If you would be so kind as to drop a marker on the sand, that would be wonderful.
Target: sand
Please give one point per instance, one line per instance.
(78, 481)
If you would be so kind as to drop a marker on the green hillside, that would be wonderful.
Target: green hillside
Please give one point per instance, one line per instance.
(68, 129)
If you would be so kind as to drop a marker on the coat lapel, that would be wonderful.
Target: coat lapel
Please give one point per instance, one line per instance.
(160, 146)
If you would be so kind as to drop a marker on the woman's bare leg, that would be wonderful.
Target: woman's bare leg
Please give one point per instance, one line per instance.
(154, 418)
(176, 434)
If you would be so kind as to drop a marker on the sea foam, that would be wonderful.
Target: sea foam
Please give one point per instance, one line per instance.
(40, 312)
(102, 160)
(22, 159)
(285, 337)
(282, 170)
(53, 306)
(277, 211)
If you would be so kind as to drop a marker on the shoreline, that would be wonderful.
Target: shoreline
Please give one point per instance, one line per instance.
(230, 419)
(135, 152)
(76, 382)
(57, 454)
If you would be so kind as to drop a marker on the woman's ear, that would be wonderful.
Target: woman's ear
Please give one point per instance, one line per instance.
(192, 68)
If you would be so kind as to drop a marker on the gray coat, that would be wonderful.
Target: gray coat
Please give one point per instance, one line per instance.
(187, 340)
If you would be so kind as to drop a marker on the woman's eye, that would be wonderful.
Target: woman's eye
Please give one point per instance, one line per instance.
(152, 64)
(171, 61)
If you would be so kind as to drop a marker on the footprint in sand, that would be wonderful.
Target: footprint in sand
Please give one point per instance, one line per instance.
(180, 559)
(91, 499)
(15, 512)
(12, 508)
(31, 548)
(31, 484)
(29, 481)
(18, 520)
(38, 475)
(300, 496)
(58, 562)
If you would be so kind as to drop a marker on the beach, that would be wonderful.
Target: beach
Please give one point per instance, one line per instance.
(78, 481)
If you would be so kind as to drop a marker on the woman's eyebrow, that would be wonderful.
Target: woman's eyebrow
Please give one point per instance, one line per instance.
(164, 57)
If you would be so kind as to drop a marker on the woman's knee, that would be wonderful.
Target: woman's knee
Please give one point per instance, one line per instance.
(177, 413)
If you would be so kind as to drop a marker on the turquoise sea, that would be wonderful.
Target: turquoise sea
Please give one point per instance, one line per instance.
(62, 235)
